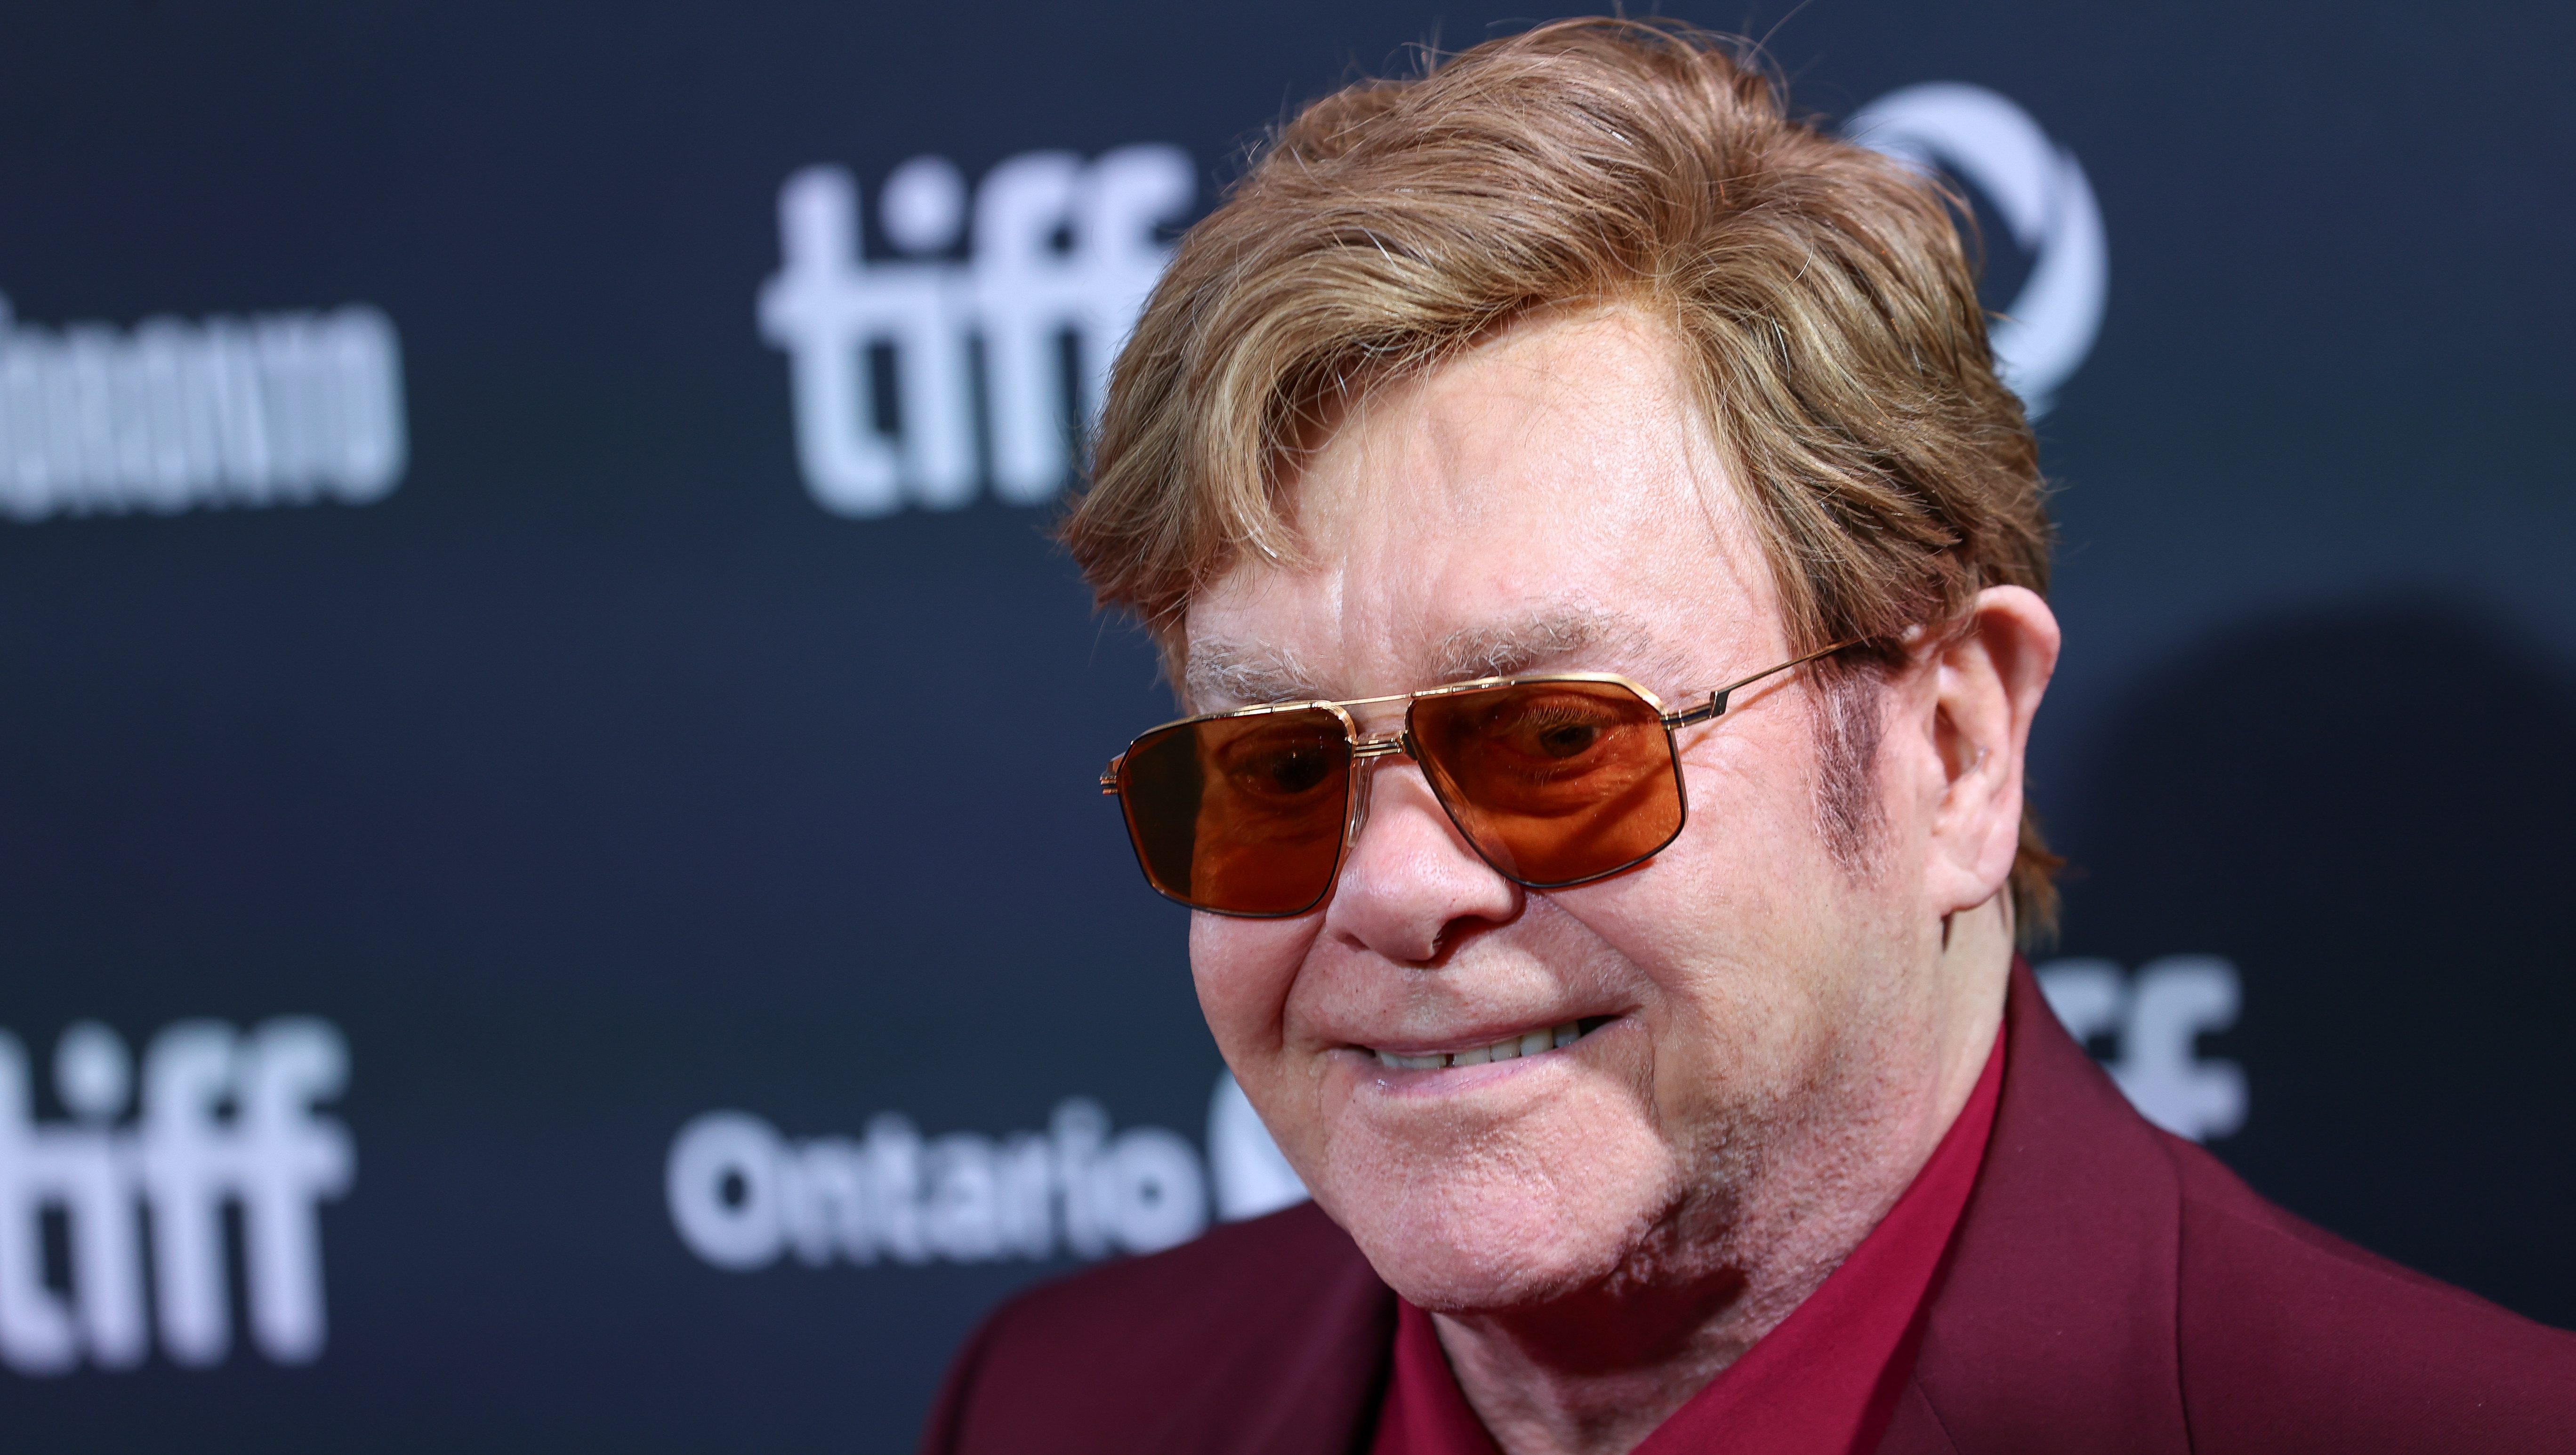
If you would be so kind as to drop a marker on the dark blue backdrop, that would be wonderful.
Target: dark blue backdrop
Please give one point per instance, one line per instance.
(597, 777)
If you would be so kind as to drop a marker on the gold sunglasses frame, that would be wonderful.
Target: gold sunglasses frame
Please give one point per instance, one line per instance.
(1399, 743)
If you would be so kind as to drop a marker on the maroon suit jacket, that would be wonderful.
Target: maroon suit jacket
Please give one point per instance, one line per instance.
(2110, 1288)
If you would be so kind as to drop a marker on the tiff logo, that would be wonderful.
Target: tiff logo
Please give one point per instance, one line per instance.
(889, 358)
(227, 1119)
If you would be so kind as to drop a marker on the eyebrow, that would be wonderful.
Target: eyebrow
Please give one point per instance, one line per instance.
(1505, 649)
(1242, 674)
(1224, 671)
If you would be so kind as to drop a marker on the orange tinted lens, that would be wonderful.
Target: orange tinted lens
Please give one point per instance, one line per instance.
(1553, 782)
(1241, 814)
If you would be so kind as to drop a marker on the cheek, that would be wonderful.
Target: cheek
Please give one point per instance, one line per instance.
(1742, 886)
(1739, 926)
(1244, 970)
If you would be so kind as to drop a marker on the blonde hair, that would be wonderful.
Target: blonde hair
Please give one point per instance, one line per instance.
(1824, 303)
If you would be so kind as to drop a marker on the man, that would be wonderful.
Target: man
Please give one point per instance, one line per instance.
(1578, 507)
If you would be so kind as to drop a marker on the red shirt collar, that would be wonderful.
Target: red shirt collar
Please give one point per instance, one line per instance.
(1822, 1383)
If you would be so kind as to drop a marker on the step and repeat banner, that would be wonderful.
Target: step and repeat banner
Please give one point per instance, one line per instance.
(551, 885)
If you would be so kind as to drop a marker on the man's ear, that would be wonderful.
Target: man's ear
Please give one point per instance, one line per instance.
(1987, 682)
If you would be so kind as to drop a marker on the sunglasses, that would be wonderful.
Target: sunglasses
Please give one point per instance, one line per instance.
(1554, 780)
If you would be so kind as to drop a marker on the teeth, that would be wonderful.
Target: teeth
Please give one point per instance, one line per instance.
(1535, 1043)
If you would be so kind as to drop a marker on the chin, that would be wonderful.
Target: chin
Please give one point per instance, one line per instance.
(1489, 1231)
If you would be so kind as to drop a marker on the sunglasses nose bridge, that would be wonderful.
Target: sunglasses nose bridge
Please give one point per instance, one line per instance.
(1367, 752)
(1397, 744)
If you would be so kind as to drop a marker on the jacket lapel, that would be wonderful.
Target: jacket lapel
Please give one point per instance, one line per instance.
(2053, 1325)
(1312, 1387)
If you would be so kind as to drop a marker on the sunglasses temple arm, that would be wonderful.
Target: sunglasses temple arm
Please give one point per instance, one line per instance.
(1109, 776)
(1716, 704)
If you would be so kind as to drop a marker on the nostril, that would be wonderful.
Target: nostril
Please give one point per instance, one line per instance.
(1459, 928)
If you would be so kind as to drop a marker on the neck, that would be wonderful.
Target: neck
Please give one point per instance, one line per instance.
(1594, 1373)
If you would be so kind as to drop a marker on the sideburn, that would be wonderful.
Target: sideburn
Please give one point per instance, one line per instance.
(1850, 714)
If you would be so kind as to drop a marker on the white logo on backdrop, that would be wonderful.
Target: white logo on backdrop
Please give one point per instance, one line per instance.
(1060, 257)
(742, 1194)
(227, 1119)
(2155, 1017)
(282, 409)
(2040, 189)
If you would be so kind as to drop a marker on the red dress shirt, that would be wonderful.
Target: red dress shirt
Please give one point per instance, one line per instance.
(1823, 1383)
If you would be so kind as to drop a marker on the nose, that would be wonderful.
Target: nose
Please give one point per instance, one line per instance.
(1411, 888)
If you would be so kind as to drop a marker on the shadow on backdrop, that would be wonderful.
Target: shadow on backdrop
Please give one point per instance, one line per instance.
(2372, 812)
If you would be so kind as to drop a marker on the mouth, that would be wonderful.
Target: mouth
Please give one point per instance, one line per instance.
(1510, 1048)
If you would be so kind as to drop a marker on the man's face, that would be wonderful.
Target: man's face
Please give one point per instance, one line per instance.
(1553, 501)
